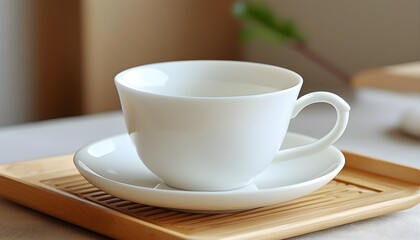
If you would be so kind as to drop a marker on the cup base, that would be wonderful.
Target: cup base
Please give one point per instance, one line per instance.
(165, 185)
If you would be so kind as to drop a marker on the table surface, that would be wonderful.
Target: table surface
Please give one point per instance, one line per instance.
(372, 130)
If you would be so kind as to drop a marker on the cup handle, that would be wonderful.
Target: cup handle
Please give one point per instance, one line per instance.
(342, 108)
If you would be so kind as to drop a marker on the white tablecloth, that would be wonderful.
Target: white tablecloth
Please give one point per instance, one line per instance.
(372, 130)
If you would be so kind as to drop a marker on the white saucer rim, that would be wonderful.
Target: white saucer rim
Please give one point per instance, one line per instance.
(331, 174)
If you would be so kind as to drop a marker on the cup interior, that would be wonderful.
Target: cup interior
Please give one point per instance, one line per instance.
(208, 79)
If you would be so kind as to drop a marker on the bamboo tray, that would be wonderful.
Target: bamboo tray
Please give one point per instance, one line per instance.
(365, 188)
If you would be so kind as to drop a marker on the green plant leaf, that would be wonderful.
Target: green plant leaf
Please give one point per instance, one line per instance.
(262, 22)
(251, 33)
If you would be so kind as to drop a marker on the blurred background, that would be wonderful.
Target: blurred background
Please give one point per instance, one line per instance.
(59, 58)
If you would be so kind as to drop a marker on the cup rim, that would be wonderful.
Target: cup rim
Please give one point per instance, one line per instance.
(299, 80)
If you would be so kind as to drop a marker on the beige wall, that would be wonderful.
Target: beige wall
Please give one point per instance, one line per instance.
(122, 34)
(355, 35)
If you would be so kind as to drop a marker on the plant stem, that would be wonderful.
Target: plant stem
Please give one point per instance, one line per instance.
(309, 53)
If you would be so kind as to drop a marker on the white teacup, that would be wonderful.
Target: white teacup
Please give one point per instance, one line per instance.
(216, 125)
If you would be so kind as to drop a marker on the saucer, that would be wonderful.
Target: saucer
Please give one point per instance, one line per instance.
(113, 166)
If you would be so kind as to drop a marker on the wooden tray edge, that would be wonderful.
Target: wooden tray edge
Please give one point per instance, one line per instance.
(382, 167)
